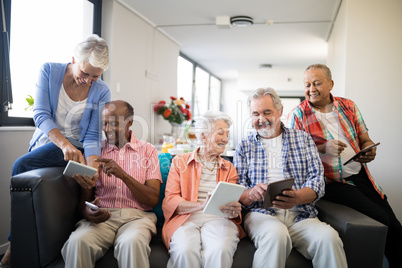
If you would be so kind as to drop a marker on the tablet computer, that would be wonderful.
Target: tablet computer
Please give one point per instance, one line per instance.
(74, 168)
(361, 152)
(224, 193)
(276, 188)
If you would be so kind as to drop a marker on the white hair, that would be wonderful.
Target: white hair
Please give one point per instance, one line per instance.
(261, 92)
(206, 122)
(93, 49)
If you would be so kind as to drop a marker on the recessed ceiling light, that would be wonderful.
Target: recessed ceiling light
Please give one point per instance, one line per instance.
(241, 21)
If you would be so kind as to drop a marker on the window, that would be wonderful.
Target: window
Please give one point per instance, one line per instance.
(42, 31)
(215, 94)
(201, 95)
(185, 71)
(197, 86)
(288, 104)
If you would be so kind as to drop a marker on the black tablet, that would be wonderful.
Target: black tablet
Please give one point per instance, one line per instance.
(276, 188)
(361, 152)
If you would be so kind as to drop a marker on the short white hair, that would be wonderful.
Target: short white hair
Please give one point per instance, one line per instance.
(261, 92)
(94, 50)
(206, 122)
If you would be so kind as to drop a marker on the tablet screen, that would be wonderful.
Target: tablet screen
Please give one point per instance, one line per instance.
(74, 168)
(276, 188)
(361, 152)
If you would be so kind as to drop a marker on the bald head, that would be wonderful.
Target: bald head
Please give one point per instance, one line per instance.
(121, 108)
(117, 118)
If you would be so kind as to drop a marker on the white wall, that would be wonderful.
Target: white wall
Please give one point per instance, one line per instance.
(13, 144)
(371, 65)
(337, 52)
(143, 67)
(286, 81)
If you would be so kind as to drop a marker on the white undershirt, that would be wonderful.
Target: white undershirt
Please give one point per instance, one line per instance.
(207, 180)
(67, 118)
(331, 121)
(273, 149)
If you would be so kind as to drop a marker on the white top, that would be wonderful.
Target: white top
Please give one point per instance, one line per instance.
(207, 180)
(67, 118)
(331, 121)
(273, 149)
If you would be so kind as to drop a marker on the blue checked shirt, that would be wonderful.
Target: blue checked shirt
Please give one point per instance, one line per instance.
(300, 160)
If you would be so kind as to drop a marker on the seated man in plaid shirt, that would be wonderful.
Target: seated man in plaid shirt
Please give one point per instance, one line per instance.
(127, 188)
(273, 153)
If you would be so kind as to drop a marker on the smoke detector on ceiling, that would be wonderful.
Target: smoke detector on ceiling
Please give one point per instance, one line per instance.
(241, 21)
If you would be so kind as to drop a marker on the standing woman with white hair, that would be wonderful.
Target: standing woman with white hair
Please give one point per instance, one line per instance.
(195, 239)
(67, 110)
(69, 99)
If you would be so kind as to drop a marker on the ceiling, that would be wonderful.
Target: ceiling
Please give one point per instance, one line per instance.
(297, 38)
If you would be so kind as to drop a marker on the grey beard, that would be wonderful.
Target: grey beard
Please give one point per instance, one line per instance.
(266, 132)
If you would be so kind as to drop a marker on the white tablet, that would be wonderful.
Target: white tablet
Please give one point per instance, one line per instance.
(224, 193)
(74, 168)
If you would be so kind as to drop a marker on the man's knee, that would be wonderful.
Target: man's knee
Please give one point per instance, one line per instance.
(277, 232)
(327, 236)
(134, 240)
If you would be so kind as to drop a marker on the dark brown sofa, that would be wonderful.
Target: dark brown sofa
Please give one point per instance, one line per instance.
(43, 211)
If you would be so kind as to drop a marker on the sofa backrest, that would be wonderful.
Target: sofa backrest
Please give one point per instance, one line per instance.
(164, 163)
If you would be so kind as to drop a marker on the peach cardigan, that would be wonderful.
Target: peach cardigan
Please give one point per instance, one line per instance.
(182, 185)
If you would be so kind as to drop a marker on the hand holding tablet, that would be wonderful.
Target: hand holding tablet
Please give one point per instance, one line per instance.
(361, 153)
(223, 194)
(276, 188)
(75, 168)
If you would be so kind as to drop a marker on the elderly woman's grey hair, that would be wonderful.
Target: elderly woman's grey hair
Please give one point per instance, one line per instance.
(261, 92)
(321, 67)
(93, 49)
(206, 122)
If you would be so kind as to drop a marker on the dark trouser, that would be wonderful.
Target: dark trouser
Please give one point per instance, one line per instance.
(48, 155)
(365, 199)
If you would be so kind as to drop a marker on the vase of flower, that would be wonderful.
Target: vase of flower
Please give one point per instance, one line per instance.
(179, 132)
(175, 133)
(178, 111)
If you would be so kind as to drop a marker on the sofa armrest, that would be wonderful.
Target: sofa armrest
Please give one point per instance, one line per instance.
(363, 238)
(43, 214)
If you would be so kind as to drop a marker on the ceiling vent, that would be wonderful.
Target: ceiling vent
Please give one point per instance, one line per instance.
(265, 66)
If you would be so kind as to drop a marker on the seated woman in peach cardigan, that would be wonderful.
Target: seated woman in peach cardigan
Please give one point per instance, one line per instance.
(195, 239)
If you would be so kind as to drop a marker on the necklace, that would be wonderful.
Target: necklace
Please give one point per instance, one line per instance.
(205, 166)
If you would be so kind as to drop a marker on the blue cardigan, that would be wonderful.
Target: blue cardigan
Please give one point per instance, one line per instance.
(46, 101)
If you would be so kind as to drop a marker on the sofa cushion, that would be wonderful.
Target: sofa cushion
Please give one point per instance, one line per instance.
(164, 164)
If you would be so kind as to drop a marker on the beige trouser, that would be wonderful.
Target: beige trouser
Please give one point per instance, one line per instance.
(204, 241)
(128, 230)
(274, 236)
